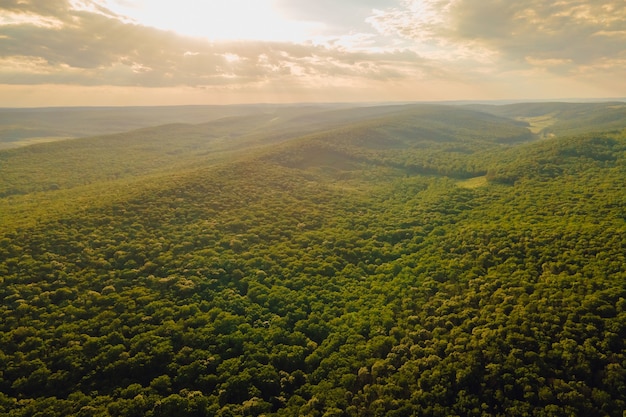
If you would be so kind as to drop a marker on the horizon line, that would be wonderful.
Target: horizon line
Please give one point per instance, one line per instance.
(342, 103)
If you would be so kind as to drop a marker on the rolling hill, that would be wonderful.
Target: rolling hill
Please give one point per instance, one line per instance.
(19, 127)
(558, 119)
(357, 261)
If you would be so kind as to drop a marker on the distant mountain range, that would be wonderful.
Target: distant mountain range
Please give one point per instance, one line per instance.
(25, 126)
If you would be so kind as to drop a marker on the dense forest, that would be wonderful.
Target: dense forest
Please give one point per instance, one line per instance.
(414, 260)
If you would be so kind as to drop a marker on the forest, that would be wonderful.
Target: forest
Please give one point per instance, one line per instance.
(390, 260)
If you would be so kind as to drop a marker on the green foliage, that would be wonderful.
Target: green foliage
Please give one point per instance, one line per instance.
(564, 119)
(324, 276)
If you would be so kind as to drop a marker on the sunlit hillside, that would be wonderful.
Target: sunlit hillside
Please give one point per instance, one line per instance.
(409, 260)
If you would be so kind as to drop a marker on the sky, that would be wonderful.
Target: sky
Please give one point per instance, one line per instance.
(158, 52)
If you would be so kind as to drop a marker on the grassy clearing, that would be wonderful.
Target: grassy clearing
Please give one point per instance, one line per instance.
(473, 182)
(32, 141)
(539, 123)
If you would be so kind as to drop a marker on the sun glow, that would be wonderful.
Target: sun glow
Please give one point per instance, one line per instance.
(217, 19)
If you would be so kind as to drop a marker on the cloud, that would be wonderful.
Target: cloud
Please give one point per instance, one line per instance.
(572, 33)
(42, 8)
(92, 46)
(405, 50)
(337, 16)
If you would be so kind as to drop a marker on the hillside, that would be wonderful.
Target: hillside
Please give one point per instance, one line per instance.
(326, 263)
(558, 119)
(20, 127)
(71, 163)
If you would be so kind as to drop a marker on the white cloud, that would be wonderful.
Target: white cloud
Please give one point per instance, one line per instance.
(95, 47)
(417, 49)
(519, 33)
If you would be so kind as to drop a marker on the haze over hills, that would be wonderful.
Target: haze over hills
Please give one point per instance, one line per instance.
(564, 118)
(19, 127)
(318, 260)
(24, 126)
(402, 130)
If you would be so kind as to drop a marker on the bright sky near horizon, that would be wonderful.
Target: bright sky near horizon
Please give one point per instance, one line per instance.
(153, 52)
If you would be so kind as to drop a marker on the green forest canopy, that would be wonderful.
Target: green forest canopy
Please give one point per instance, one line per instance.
(328, 263)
